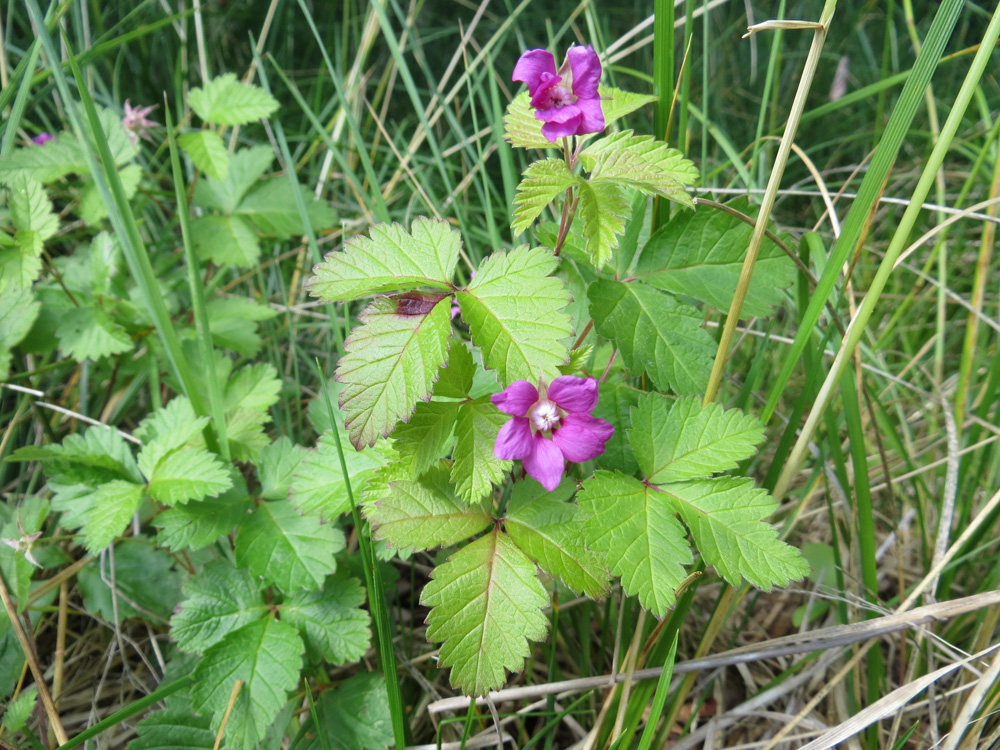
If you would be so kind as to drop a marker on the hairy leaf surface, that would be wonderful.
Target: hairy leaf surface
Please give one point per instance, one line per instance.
(486, 604)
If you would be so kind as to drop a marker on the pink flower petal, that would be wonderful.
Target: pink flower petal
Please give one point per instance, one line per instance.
(560, 122)
(532, 65)
(514, 440)
(581, 437)
(586, 67)
(516, 398)
(592, 116)
(545, 463)
(574, 395)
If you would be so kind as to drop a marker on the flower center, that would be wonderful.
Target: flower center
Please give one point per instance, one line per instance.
(544, 416)
(560, 96)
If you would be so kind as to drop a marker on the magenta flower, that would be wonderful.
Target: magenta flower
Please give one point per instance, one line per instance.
(551, 425)
(566, 101)
(136, 122)
(42, 138)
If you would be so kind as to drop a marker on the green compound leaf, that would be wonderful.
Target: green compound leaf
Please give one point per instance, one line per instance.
(166, 430)
(206, 149)
(30, 207)
(190, 474)
(476, 469)
(486, 604)
(90, 333)
(549, 529)
(543, 182)
(219, 599)
(356, 714)
(227, 101)
(246, 167)
(700, 254)
(331, 621)
(522, 130)
(287, 549)
(640, 162)
(197, 525)
(725, 516)
(173, 728)
(318, 487)
(634, 525)
(279, 463)
(685, 440)
(393, 259)
(245, 430)
(267, 656)
(514, 309)
(391, 361)
(604, 209)
(424, 513)
(20, 709)
(226, 240)
(655, 333)
(256, 387)
(112, 506)
(428, 434)
(97, 456)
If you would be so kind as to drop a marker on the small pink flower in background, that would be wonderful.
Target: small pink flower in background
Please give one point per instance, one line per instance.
(551, 425)
(565, 100)
(42, 138)
(136, 123)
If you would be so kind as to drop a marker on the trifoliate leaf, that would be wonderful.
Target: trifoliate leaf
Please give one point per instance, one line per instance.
(725, 516)
(254, 387)
(30, 207)
(655, 333)
(685, 440)
(604, 209)
(390, 362)
(476, 469)
(331, 621)
(218, 600)
(456, 380)
(226, 240)
(267, 656)
(20, 709)
(392, 260)
(18, 311)
(287, 549)
(514, 310)
(549, 529)
(543, 182)
(245, 168)
(233, 322)
(46, 163)
(206, 149)
(245, 431)
(634, 525)
(190, 474)
(90, 333)
(318, 487)
(428, 435)
(112, 506)
(146, 583)
(486, 604)
(700, 254)
(424, 513)
(356, 714)
(174, 728)
(272, 208)
(641, 162)
(197, 525)
(227, 101)
(279, 463)
(614, 404)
